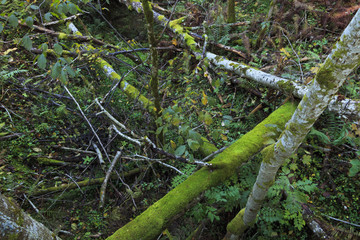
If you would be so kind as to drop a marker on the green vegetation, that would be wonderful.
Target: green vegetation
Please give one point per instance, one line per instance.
(47, 150)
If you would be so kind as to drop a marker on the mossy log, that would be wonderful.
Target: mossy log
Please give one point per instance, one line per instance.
(85, 183)
(15, 224)
(151, 222)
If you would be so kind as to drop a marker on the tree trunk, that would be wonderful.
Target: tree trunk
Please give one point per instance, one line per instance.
(231, 11)
(16, 224)
(154, 82)
(332, 74)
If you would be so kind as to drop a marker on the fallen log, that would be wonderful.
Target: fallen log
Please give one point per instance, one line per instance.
(151, 222)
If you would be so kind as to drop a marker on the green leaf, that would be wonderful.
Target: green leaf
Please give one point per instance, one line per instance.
(72, 8)
(3, 134)
(180, 150)
(71, 72)
(48, 16)
(26, 43)
(158, 130)
(306, 159)
(62, 8)
(29, 21)
(63, 77)
(42, 61)
(1, 27)
(195, 136)
(55, 15)
(44, 47)
(355, 168)
(194, 145)
(13, 21)
(58, 48)
(3, 1)
(55, 70)
(208, 119)
(183, 129)
(322, 137)
(34, 7)
(293, 166)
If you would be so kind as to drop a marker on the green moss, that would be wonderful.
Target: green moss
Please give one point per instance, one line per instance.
(325, 76)
(151, 222)
(62, 36)
(286, 86)
(237, 225)
(357, 107)
(267, 153)
(207, 148)
(114, 75)
(177, 28)
(49, 161)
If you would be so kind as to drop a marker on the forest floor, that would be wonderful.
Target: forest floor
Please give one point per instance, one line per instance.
(45, 142)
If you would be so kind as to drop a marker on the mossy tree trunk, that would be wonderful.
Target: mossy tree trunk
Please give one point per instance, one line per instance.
(332, 74)
(231, 11)
(154, 82)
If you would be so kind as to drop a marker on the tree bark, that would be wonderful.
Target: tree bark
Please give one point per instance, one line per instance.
(332, 74)
(154, 82)
(231, 11)
(16, 224)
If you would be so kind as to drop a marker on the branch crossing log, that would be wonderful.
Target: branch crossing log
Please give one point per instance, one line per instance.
(344, 58)
(151, 222)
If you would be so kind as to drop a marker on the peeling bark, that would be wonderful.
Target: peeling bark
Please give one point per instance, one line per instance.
(16, 224)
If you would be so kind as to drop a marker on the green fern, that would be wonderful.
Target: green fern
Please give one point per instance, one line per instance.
(6, 75)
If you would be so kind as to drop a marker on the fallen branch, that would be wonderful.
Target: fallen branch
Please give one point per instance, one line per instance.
(221, 46)
(107, 176)
(84, 183)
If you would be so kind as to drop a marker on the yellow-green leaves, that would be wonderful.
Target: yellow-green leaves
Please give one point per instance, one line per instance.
(204, 99)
